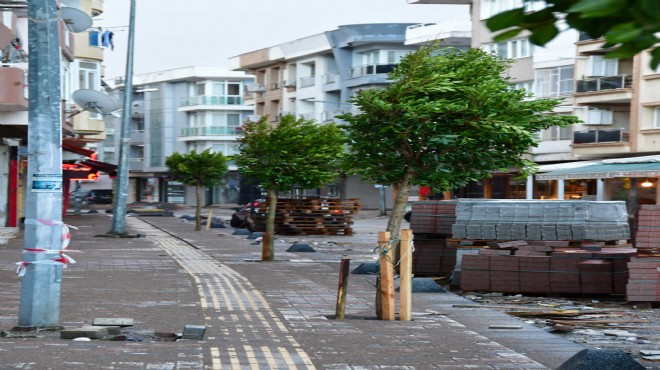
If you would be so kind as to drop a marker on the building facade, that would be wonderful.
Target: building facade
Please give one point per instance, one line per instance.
(180, 110)
(78, 129)
(616, 99)
(314, 78)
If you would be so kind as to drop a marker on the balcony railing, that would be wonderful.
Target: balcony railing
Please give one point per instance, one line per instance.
(210, 131)
(371, 69)
(604, 83)
(600, 136)
(330, 77)
(307, 81)
(211, 100)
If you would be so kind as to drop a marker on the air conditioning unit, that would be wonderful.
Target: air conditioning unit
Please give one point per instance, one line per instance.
(255, 88)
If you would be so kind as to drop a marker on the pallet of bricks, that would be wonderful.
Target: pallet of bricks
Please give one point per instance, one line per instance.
(543, 247)
(310, 216)
(644, 282)
(431, 223)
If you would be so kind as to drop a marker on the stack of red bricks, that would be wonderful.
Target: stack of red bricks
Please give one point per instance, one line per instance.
(644, 282)
(433, 217)
(562, 271)
(647, 237)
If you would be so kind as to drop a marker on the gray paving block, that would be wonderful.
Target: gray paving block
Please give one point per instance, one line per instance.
(106, 321)
(92, 332)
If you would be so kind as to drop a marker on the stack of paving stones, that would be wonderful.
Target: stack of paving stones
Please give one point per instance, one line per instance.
(647, 236)
(431, 222)
(550, 267)
(644, 282)
(540, 220)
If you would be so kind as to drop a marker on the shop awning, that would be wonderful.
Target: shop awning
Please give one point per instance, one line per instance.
(605, 170)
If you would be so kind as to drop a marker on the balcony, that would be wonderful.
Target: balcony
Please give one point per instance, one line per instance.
(597, 143)
(210, 131)
(371, 69)
(211, 100)
(604, 83)
(137, 137)
(307, 81)
(12, 94)
(600, 136)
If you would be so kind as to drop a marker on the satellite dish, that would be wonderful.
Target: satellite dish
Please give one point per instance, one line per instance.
(75, 19)
(95, 101)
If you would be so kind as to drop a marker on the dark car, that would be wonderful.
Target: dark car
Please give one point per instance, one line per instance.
(241, 218)
(99, 196)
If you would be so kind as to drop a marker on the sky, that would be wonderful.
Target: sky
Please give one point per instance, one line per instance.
(172, 34)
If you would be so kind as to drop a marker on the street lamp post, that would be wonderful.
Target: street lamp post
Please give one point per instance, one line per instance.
(121, 195)
(40, 287)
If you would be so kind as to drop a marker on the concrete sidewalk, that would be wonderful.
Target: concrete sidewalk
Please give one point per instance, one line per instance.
(259, 315)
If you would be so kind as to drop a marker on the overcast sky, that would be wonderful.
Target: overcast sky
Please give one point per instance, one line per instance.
(172, 34)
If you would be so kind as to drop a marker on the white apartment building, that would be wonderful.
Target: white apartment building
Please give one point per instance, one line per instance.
(180, 110)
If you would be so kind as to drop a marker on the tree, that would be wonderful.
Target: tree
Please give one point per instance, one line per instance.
(200, 170)
(628, 26)
(447, 118)
(292, 153)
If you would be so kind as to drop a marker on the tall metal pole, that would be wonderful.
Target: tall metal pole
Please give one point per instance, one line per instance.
(121, 196)
(41, 284)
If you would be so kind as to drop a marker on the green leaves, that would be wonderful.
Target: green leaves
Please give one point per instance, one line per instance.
(293, 152)
(444, 136)
(597, 8)
(628, 26)
(198, 169)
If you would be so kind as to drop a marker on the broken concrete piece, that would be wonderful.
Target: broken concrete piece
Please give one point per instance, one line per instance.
(113, 322)
(495, 326)
(92, 332)
(618, 333)
(194, 332)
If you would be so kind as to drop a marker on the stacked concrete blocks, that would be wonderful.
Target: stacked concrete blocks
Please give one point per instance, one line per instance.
(540, 220)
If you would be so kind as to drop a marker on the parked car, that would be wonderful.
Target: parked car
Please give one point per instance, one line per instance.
(241, 218)
(98, 196)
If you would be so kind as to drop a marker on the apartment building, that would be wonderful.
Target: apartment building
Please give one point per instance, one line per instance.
(78, 128)
(617, 101)
(180, 110)
(314, 77)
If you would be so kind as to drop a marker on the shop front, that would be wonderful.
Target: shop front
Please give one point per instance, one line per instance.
(633, 180)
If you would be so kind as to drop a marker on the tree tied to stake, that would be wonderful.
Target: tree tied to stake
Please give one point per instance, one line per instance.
(448, 117)
(292, 153)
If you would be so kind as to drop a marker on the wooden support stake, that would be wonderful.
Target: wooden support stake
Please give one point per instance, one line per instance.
(386, 276)
(208, 220)
(405, 269)
(343, 288)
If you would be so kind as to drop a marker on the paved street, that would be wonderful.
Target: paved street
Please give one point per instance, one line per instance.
(258, 315)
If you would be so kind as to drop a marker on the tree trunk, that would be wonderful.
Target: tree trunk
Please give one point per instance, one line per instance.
(198, 210)
(399, 208)
(268, 248)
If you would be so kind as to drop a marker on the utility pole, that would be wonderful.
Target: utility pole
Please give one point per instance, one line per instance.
(121, 197)
(41, 284)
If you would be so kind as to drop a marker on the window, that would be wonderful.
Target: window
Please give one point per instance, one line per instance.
(94, 38)
(554, 82)
(599, 116)
(556, 133)
(520, 48)
(88, 78)
(523, 85)
(600, 66)
(371, 57)
(491, 7)
(197, 89)
(656, 117)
